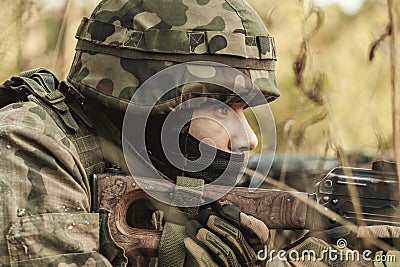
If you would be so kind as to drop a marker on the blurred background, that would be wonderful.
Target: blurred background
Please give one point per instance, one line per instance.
(337, 103)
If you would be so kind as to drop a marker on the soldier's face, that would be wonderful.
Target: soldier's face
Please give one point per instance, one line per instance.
(224, 127)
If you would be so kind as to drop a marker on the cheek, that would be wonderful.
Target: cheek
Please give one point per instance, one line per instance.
(210, 132)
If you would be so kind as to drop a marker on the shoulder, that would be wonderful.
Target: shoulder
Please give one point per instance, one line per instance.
(29, 132)
(29, 118)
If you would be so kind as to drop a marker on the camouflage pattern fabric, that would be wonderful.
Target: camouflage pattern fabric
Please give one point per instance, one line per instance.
(134, 39)
(44, 195)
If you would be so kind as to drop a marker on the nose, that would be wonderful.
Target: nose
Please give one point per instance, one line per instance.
(243, 138)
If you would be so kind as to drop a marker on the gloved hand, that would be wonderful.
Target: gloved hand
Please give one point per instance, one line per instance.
(228, 237)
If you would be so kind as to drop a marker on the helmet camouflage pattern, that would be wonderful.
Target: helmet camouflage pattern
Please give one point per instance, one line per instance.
(125, 42)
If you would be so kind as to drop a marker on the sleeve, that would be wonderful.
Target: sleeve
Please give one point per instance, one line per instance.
(45, 217)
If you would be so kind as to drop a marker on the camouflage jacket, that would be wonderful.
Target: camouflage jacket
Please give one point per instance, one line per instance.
(46, 219)
(45, 204)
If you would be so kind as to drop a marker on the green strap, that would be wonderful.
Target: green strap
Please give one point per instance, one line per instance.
(172, 250)
(179, 42)
(63, 103)
(41, 86)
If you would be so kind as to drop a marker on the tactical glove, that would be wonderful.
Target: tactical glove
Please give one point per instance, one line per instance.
(228, 237)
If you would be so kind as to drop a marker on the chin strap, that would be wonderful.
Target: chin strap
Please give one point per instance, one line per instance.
(188, 192)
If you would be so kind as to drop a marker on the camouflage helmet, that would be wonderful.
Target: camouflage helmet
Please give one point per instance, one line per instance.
(125, 42)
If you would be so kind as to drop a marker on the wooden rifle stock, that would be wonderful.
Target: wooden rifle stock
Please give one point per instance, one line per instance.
(344, 196)
(116, 193)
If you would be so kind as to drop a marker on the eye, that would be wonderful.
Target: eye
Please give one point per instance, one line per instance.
(221, 110)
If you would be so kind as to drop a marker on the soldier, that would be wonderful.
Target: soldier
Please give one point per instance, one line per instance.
(56, 135)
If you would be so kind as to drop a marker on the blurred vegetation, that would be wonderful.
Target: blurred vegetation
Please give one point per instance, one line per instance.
(354, 114)
(35, 34)
(339, 101)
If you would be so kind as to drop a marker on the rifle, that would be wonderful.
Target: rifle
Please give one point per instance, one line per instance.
(344, 195)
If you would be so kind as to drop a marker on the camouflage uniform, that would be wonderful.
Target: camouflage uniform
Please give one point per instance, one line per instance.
(45, 191)
(46, 159)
